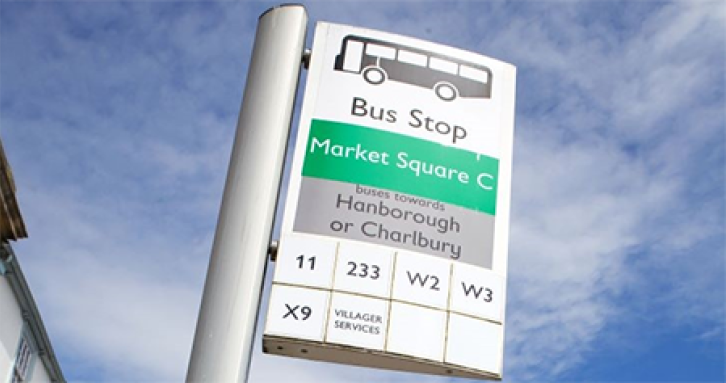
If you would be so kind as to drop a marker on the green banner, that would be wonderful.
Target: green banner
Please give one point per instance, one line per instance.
(372, 157)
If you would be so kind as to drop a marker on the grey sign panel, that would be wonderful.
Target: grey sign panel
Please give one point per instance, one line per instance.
(344, 210)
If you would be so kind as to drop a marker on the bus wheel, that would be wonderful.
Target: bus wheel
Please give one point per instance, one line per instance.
(446, 91)
(374, 75)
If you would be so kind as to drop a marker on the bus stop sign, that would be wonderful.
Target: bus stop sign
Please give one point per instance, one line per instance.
(393, 249)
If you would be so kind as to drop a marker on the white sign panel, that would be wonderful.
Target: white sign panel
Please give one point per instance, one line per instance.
(397, 213)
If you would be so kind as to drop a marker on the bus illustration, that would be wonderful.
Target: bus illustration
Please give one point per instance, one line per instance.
(379, 61)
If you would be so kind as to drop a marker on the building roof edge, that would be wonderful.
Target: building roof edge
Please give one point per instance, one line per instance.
(12, 226)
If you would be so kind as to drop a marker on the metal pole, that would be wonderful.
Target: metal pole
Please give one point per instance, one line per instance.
(225, 331)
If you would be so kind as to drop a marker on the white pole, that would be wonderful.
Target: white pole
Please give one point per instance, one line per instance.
(224, 337)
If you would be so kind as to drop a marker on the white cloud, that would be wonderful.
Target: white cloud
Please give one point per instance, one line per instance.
(614, 179)
(108, 295)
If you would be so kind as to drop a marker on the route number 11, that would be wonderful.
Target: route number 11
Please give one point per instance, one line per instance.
(301, 261)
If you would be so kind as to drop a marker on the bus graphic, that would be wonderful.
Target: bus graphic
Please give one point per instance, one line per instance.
(378, 61)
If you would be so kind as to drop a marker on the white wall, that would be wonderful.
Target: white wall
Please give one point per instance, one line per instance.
(11, 324)
(39, 374)
(11, 327)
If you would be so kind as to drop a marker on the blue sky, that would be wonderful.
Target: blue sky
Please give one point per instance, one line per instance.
(118, 120)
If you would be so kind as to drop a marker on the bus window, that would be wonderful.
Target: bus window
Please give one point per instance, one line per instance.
(381, 51)
(412, 58)
(353, 56)
(443, 65)
(474, 74)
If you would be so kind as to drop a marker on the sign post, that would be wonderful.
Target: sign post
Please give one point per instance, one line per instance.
(225, 329)
(393, 251)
